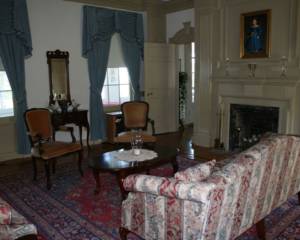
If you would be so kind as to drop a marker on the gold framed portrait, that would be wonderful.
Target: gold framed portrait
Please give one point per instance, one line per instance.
(255, 32)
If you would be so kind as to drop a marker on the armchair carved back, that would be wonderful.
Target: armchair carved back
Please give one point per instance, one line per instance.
(38, 123)
(135, 114)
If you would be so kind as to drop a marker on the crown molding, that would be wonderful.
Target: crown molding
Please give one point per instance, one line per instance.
(177, 5)
(141, 5)
(131, 5)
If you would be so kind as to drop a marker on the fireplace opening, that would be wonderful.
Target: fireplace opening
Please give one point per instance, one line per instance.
(248, 123)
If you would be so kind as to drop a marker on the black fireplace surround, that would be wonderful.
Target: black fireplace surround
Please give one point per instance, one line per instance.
(248, 123)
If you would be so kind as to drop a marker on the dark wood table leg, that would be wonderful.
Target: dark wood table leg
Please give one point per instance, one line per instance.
(175, 165)
(72, 135)
(123, 233)
(97, 179)
(120, 178)
(88, 136)
(48, 172)
(34, 168)
(80, 134)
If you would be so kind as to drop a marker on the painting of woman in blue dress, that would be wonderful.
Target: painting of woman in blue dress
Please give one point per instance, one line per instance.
(254, 41)
(255, 27)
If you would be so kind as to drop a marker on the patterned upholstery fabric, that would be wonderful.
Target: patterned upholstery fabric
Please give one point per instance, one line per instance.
(14, 227)
(196, 173)
(233, 198)
(5, 213)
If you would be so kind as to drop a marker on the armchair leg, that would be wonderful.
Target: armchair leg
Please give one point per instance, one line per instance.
(80, 163)
(48, 177)
(261, 230)
(123, 233)
(54, 166)
(34, 168)
(299, 197)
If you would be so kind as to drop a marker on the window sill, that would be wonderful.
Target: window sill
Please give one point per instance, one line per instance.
(7, 120)
(111, 108)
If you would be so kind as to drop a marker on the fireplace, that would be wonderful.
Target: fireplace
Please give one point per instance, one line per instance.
(249, 122)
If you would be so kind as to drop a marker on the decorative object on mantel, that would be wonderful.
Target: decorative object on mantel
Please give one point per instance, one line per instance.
(255, 34)
(227, 65)
(283, 62)
(252, 69)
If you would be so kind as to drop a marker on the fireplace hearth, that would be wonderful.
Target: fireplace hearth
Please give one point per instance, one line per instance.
(248, 123)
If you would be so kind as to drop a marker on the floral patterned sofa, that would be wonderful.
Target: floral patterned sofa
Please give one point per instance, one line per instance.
(14, 226)
(224, 204)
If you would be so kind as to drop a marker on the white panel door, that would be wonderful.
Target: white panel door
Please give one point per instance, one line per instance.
(161, 85)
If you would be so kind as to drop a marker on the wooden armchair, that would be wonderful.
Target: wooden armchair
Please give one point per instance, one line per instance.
(135, 117)
(44, 147)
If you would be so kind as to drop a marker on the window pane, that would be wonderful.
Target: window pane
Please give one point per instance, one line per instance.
(193, 80)
(124, 93)
(193, 95)
(4, 83)
(6, 98)
(124, 75)
(193, 65)
(114, 96)
(106, 76)
(104, 95)
(6, 104)
(113, 76)
(193, 50)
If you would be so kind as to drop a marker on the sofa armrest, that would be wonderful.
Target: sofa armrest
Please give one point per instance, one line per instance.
(5, 213)
(169, 187)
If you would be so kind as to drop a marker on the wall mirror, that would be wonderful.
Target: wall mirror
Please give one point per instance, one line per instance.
(58, 64)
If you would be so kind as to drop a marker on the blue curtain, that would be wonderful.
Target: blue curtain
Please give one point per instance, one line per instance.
(15, 45)
(98, 27)
(132, 37)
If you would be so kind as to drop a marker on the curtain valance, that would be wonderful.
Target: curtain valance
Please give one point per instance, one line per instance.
(14, 21)
(100, 24)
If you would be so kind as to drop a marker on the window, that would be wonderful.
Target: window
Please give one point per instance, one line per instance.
(116, 89)
(193, 59)
(6, 96)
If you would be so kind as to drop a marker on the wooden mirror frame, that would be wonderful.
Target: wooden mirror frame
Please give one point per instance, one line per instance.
(59, 55)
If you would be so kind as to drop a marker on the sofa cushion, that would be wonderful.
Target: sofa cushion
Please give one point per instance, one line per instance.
(5, 213)
(196, 173)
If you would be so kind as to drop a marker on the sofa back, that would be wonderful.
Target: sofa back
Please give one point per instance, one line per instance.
(251, 185)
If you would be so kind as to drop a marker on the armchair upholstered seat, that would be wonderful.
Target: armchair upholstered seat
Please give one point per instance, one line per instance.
(40, 132)
(135, 117)
(56, 149)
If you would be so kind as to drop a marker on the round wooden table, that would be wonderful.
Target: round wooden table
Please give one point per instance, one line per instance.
(106, 162)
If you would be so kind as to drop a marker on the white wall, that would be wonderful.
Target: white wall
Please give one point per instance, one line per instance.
(175, 21)
(55, 24)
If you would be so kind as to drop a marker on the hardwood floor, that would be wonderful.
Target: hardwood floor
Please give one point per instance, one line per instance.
(178, 139)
